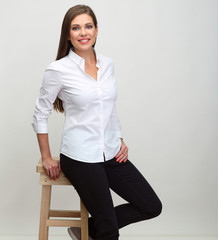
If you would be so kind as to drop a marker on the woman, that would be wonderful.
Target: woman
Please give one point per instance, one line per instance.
(93, 155)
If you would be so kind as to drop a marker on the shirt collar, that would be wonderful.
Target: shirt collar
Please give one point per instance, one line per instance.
(81, 61)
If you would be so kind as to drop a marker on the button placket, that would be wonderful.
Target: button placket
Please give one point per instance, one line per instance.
(101, 117)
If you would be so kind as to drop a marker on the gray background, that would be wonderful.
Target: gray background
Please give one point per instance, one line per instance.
(165, 54)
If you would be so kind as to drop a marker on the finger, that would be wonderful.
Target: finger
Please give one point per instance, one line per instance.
(47, 172)
(120, 152)
(51, 173)
(54, 173)
(124, 159)
(59, 166)
(57, 172)
(122, 155)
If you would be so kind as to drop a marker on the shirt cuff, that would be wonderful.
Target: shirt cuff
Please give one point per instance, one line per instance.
(41, 129)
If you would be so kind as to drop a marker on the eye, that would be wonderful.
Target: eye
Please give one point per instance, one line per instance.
(75, 28)
(89, 27)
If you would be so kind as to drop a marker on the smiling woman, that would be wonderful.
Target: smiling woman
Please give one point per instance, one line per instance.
(93, 154)
(83, 33)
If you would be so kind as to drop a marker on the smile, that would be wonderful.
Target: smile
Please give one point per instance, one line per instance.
(84, 41)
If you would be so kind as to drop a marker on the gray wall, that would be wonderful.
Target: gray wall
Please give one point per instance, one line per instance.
(165, 55)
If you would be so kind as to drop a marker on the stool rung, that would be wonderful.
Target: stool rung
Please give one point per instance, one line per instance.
(63, 223)
(64, 213)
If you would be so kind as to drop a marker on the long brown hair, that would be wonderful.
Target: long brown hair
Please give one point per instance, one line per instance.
(64, 43)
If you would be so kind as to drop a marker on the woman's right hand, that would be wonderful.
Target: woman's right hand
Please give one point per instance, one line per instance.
(52, 167)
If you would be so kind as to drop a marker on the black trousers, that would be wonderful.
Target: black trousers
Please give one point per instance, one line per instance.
(93, 181)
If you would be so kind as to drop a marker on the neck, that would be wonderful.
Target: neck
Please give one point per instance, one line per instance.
(89, 56)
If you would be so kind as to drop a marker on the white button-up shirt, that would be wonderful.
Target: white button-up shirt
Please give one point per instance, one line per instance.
(92, 129)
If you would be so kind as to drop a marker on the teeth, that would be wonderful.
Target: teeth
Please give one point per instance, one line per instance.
(85, 40)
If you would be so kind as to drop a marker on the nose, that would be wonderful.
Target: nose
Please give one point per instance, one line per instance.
(83, 32)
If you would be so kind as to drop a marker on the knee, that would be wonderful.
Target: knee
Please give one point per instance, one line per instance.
(153, 211)
(157, 209)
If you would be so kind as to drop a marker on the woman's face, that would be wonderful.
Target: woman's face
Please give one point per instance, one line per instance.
(83, 32)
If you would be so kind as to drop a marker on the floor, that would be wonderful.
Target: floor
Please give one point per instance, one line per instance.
(133, 237)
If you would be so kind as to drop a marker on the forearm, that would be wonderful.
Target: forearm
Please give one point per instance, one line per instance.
(44, 145)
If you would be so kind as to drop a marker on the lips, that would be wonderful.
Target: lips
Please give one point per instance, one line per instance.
(84, 40)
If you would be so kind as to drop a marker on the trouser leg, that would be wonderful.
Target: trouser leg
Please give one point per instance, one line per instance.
(128, 182)
(90, 181)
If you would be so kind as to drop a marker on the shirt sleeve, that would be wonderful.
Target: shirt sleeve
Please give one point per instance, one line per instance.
(49, 90)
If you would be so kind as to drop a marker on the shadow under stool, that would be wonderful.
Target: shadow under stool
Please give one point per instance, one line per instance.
(52, 217)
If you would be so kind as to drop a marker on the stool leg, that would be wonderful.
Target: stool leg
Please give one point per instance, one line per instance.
(44, 214)
(84, 222)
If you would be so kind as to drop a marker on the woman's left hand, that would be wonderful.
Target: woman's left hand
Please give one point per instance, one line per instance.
(122, 155)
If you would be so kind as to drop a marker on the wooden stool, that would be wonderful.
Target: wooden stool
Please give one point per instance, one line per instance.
(46, 212)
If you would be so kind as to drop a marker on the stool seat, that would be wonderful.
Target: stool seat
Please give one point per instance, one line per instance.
(44, 178)
(46, 213)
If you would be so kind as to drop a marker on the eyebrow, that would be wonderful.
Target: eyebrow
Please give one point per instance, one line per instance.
(79, 25)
